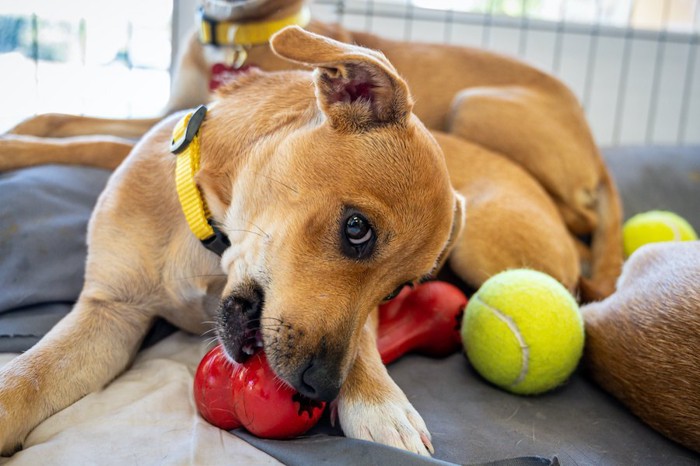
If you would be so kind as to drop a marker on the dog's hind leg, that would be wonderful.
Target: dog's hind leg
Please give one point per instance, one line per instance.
(83, 352)
(510, 221)
(94, 151)
(502, 235)
(543, 129)
(372, 407)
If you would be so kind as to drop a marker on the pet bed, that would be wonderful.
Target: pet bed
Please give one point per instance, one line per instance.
(147, 416)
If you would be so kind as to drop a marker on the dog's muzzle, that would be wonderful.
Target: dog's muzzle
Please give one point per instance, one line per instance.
(238, 324)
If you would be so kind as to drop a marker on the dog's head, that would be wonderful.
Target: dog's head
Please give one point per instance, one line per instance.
(334, 196)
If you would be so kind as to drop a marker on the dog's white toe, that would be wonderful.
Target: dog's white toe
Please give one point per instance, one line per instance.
(392, 422)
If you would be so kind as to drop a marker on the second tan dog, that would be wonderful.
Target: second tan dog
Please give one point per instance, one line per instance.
(504, 106)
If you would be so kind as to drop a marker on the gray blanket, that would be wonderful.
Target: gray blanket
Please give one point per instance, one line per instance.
(43, 218)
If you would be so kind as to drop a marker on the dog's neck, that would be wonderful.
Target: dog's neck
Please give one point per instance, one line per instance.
(228, 33)
(244, 32)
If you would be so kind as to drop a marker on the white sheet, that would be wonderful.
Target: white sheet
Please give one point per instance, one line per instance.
(145, 416)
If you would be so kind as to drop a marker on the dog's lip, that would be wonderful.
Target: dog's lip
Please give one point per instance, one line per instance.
(249, 342)
(252, 341)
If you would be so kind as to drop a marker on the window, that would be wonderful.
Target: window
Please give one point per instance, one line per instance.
(673, 15)
(84, 57)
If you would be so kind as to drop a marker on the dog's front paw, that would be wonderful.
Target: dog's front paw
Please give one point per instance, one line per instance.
(392, 421)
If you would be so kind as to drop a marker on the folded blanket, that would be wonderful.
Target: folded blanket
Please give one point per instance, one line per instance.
(147, 414)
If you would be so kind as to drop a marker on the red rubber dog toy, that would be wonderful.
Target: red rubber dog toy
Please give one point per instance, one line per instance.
(425, 319)
(230, 395)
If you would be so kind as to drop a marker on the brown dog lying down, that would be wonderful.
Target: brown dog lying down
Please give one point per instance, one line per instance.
(332, 195)
(495, 102)
(643, 342)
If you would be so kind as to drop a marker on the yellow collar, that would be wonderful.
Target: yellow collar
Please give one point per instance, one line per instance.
(224, 33)
(185, 143)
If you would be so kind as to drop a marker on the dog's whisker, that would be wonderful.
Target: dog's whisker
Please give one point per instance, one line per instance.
(204, 275)
(294, 190)
(266, 327)
(210, 342)
(278, 323)
(279, 383)
(272, 328)
(251, 232)
(275, 319)
(267, 235)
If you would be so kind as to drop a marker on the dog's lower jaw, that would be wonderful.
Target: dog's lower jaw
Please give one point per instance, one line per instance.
(316, 372)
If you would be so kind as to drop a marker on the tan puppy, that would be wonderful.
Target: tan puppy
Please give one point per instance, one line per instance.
(301, 175)
(498, 103)
(643, 342)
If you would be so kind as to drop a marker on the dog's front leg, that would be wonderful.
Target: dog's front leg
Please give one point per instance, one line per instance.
(372, 407)
(82, 353)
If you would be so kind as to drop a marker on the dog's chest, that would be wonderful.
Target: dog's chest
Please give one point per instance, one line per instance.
(198, 301)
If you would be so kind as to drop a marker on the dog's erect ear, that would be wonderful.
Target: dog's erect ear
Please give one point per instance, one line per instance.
(356, 87)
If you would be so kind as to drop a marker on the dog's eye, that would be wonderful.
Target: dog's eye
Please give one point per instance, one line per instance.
(357, 236)
(357, 230)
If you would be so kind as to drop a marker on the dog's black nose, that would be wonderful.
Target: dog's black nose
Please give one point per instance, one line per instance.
(318, 382)
(238, 322)
(249, 307)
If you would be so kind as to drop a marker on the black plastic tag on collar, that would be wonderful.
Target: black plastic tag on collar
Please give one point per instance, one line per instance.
(218, 243)
(190, 131)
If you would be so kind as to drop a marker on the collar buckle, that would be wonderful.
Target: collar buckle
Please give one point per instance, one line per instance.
(183, 135)
(218, 242)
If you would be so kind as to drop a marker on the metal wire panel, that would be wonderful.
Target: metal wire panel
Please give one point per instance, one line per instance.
(636, 73)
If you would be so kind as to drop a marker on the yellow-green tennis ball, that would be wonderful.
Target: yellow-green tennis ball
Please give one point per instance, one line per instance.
(654, 227)
(522, 331)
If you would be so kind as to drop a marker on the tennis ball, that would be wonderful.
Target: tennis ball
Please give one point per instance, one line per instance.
(522, 331)
(654, 227)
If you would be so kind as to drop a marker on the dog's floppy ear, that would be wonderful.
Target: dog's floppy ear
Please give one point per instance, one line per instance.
(356, 88)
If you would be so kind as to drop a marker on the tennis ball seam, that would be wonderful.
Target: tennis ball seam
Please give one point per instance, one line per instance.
(675, 229)
(513, 327)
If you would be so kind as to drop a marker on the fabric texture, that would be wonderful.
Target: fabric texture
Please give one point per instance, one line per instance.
(147, 413)
(146, 416)
(43, 222)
